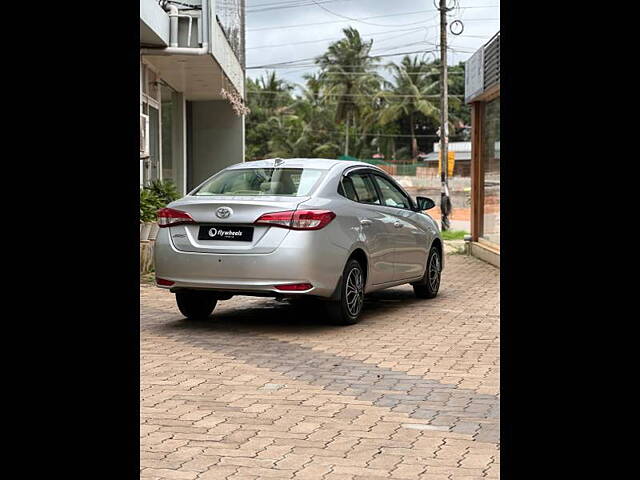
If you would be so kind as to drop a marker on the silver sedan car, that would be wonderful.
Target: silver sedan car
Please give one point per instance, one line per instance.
(328, 229)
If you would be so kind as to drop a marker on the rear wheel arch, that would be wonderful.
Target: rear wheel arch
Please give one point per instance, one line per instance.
(361, 256)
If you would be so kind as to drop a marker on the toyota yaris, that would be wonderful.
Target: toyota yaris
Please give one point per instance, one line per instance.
(328, 229)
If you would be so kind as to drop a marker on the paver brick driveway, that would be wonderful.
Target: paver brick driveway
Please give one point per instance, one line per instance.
(267, 390)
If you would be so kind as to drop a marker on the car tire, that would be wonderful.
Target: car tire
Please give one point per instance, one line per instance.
(196, 305)
(430, 284)
(346, 310)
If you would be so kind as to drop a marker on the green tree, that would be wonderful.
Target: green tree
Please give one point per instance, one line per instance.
(461, 111)
(348, 76)
(412, 91)
(267, 96)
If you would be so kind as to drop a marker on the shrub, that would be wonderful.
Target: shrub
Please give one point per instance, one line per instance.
(156, 196)
(149, 204)
(166, 191)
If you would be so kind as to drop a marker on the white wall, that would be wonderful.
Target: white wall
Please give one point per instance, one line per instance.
(215, 139)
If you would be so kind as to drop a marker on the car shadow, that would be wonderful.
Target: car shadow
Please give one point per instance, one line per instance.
(302, 316)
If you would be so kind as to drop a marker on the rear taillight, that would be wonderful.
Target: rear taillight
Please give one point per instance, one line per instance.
(162, 281)
(277, 219)
(297, 219)
(168, 217)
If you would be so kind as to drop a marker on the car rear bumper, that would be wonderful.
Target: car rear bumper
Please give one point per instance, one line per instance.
(303, 257)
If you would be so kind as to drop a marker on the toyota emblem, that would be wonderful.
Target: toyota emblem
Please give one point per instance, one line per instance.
(223, 212)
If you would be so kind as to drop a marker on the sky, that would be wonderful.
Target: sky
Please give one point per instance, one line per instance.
(285, 30)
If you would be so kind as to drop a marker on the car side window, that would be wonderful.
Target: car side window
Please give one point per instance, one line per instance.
(391, 195)
(347, 189)
(364, 188)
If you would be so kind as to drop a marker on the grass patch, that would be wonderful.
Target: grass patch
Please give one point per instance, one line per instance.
(149, 278)
(453, 234)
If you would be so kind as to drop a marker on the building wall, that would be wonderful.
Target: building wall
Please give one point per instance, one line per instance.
(195, 133)
(226, 58)
(154, 24)
(215, 139)
(482, 91)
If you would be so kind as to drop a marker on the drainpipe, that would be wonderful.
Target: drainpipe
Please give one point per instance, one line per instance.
(173, 25)
(173, 48)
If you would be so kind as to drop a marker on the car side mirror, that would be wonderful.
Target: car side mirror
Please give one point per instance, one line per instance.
(425, 203)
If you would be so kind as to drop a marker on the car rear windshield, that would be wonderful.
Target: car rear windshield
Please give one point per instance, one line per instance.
(292, 182)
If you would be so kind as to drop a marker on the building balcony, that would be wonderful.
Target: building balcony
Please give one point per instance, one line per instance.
(189, 48)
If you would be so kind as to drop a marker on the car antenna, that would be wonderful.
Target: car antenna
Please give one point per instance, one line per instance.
(277, 162)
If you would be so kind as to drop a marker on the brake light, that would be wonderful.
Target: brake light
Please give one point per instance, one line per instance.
(168, 217)
(294, 287)
(277, 219)
(162, 281)
(297, 219)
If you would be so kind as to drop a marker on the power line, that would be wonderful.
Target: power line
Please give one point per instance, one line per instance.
(280, 27)
(325, 95)
(338, 21)
(409, 30)
(369, 73)
(360, 20)
(312, 66)
(295, 63)
(303, 3)
(284, 5)
(406, 136)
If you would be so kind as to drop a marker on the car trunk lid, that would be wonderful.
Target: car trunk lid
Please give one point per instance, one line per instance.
(243, 212)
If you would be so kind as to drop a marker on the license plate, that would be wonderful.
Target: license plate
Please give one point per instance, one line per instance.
(225, 232)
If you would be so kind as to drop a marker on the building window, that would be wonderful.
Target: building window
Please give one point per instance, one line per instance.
(491, 171)
(150, 105)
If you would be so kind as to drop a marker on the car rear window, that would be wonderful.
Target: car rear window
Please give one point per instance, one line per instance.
(293, 182)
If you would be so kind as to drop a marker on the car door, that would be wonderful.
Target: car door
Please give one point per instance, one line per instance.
(375, 225)
(410, 238)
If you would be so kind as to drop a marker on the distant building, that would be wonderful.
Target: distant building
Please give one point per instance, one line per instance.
(462, 158)
(192, 73)
(482, 91)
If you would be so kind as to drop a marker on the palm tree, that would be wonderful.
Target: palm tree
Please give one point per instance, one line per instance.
(412, 91)
(347, 72)
(275, 92)
(292, 137)
(266, 96)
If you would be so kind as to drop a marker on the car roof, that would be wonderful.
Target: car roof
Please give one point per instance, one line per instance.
(319, 163)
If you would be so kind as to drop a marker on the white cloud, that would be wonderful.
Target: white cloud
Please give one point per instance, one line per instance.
(392, 32)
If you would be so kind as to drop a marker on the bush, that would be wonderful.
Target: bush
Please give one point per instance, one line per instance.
(155, 197)
(149, 204)
(166, 191)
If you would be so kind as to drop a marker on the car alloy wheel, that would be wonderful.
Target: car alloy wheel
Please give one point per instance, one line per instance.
(354, 291)
(346, 309)
(434, 272)
(429, 285)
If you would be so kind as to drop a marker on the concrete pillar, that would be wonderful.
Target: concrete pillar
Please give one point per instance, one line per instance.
(179, 141)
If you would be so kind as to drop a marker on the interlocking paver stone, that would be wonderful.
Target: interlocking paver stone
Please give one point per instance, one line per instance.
(268, 389)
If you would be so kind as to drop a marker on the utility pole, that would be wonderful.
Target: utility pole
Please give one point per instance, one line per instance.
(346, 134)
(445, 202)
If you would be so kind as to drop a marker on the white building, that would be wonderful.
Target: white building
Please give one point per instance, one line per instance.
(191, 56)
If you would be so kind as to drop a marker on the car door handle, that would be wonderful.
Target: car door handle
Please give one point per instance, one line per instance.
(365, 223)
(397, 224)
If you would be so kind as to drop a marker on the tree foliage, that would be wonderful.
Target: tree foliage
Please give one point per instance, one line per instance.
(348, 100)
